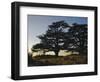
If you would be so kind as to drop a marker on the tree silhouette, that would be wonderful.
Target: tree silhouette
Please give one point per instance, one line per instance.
(62, 36)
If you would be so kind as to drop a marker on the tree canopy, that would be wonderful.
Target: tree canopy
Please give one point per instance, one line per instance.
(62, 36)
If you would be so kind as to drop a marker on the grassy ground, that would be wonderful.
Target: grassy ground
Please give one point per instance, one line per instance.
(44, 60)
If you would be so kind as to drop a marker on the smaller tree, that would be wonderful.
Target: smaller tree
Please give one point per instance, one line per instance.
(39, 47)
(77, 39)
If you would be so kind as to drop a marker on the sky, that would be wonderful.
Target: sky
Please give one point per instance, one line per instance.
(38, 24)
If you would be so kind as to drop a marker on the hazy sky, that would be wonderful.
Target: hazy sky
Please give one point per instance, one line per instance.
(38, 24)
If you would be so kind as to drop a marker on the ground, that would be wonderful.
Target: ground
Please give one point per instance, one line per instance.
(45, 60)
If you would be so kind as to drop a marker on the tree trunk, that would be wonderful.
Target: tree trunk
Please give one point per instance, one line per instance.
(56, 53)
(43, 52)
